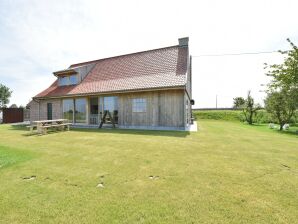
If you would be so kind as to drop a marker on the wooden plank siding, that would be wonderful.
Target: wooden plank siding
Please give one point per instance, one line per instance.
(171, 105)
(164, 108)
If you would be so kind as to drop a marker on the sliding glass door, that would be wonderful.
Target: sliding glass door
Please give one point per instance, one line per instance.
(80, 110)
(75, 110)
(94, 110)
(109, 103)
(68, 109)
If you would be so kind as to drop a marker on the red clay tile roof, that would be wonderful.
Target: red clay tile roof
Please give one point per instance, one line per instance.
(159, 68)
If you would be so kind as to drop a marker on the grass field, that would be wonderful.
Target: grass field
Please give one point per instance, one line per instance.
(227, 172)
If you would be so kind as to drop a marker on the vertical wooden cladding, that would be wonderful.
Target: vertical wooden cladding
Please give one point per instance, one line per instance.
(171, 105)
(164, 108)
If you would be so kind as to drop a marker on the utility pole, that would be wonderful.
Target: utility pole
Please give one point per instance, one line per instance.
(216, 101)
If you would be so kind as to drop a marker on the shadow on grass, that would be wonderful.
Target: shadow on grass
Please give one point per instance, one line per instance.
(18, 127)
(292, 131)
(29, 133)
(256, 125)
(287, 132)
(180, 134)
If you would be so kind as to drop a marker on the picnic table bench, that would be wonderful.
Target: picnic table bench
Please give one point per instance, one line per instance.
(42, 126)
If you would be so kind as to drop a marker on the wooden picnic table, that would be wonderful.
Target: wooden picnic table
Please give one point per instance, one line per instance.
(43, 125)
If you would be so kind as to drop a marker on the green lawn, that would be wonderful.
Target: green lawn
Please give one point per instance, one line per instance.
(227, 172)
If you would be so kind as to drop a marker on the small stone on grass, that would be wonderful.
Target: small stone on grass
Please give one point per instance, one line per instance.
(100, 185)
(29, 178)
(153, 177)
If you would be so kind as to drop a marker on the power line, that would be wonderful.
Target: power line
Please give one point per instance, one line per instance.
(234, 54)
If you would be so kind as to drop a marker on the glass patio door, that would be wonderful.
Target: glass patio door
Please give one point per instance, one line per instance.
(94, 110)
(109, 103)
(80, 110)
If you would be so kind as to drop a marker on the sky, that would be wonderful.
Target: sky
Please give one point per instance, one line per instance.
(38, 37)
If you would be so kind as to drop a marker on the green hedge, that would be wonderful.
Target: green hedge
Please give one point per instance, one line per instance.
(235, 115)
(227, 115)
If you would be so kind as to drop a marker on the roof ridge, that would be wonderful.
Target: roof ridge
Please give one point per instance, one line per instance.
(122, 55)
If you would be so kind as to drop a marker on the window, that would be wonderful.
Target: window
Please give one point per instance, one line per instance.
(50, 111)
(68, 80)
(63, 81)
(73, 80)
(68, 109)
(80, 110)
(110, 103)
(139, 105)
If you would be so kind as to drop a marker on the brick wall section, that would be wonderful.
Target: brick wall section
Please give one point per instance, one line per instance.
(38, 111)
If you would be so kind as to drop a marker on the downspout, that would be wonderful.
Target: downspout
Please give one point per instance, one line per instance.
(190, 73)
(189, 77)
(185, 89)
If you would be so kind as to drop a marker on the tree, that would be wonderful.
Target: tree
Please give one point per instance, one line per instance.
(282, 106)
(13, 106)
(238, 102)
(248, 106)
(5, 94)
(282, 99)
(285, 75)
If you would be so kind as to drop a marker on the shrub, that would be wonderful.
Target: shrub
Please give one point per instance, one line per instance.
(263, 117)
(228, 115)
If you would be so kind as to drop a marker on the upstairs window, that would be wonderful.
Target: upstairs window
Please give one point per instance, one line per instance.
(73, 80)
(63, 81)
(68, 80)
(139, 105)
